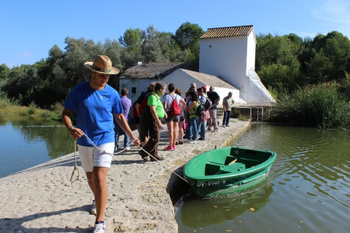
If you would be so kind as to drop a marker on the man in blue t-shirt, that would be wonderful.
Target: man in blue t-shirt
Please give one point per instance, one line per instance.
(95, 104)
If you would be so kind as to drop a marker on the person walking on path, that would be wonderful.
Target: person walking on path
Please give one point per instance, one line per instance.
(180, 139)
(172, 122)
(151, 123)
(136, 108)
(202, 120)
(227, 103)
(95, 103)
(193, 118)
(215, 99)
(126, 103)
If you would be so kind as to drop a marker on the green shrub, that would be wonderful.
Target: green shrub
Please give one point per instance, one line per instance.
(31, 109)
(315, 106)
(6, 102)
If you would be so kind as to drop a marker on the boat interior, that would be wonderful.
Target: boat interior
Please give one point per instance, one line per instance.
(236, 161)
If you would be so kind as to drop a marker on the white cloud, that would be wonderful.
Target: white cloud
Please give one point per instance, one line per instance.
(335, 14)
(337, 11)
(25, 54)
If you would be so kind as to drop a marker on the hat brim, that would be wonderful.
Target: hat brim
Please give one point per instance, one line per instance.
(113, 70)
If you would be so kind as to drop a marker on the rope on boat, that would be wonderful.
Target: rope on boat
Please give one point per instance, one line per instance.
(105, 152)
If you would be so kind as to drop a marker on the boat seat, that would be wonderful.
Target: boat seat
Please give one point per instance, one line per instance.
(235, 167)
(212, 168)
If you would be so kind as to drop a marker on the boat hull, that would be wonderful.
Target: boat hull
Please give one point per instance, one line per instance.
(228, 170)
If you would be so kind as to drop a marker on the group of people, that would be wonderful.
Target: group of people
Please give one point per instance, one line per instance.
(102, 116)
(207, 120)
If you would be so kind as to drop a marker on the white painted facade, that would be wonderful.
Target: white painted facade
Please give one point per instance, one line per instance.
(183, 78)
(227, 63)
(134, 86)
(233, 60)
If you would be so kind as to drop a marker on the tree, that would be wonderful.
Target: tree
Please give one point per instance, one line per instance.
(132, 40)
(327, 57)
(278, 61)
(23, 81)
(4, 74)
(187, 38)
(151, 49)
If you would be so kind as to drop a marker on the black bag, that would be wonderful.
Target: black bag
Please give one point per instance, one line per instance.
(207, 104)
(200, 109)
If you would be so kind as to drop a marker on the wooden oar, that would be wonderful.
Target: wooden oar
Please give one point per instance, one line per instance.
(233, 162)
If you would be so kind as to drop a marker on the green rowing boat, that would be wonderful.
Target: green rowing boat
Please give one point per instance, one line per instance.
(227, 170)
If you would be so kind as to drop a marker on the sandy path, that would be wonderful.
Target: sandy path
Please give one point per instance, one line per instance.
(42, 198)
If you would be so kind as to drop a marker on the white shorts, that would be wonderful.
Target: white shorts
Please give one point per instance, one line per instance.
(91, 157)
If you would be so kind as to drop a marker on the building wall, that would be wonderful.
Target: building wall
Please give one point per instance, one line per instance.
(183, 81)
(251, 49)
(134, 86)
(225, 58)
(233, 59)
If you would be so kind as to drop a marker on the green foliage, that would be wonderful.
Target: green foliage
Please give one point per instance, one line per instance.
(346, 85)
(6, 102)
(31, 109)
(277, 61)
(316, 106)
(327, 58)
(187, 38)
(293, 68)
(4, 74)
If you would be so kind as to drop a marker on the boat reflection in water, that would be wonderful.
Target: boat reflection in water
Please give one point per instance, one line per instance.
(199, 212)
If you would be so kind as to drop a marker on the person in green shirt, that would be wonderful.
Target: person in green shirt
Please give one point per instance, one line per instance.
(151, 123)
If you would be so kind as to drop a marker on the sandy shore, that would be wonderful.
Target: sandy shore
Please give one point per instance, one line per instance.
(42, 198)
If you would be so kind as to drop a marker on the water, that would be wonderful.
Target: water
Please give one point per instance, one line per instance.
(26, 143)
(307, 190)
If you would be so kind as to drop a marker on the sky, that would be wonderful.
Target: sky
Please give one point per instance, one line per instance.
(30, 28)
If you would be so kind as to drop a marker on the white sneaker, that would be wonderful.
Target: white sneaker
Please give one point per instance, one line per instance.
(99, 228)
(93, 208)
(127, 148)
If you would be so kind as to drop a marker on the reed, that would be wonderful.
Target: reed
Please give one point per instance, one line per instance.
(319, 106)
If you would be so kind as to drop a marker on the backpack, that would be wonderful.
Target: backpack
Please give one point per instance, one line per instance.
(207, 104)
(141, 101)
(144, 104)
(174, 108)
(200, 109)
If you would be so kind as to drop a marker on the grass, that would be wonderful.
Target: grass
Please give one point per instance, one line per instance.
(11, 109)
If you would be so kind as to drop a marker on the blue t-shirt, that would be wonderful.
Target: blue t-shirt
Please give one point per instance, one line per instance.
(94, 111)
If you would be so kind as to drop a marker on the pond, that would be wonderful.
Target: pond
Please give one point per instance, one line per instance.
(307, 190)
(28, 142)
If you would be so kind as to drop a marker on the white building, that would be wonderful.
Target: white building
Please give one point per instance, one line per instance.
(227, 62)
(182, 78)
(137, 78)
(229, 53)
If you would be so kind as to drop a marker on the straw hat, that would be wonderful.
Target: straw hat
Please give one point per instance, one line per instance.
(102, 64)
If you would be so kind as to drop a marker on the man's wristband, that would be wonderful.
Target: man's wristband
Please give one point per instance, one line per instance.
(70, 127)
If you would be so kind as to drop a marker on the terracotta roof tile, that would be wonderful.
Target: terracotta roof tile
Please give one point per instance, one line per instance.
(227, 32)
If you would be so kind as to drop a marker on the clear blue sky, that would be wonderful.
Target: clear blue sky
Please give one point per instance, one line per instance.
(30, 28)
